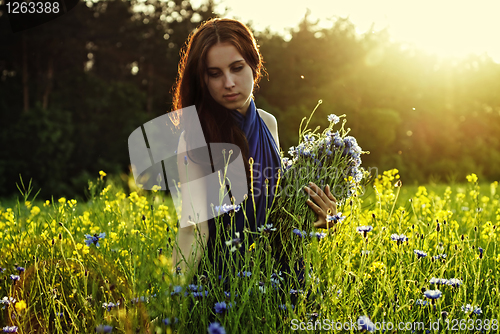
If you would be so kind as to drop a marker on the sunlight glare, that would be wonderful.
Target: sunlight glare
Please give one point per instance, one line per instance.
(447, 28)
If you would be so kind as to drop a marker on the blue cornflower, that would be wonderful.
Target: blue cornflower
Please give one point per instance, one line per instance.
(433, 294)
(364, 323)
(20, 269)
(234, 243)
(194, 287)
(480, 250)
(335, 218)
(309, 137)
(2, 270)
(420, 253)
(268, 228)
(474, 309)
(224, 208)
(399, 238)
(216, 328)
(177, 290)
(110, 305)
(10, 329)
(94, 239)
(138, 299)
(467, 308)
(104, 329)
(333, 118)
(59, 314)
(15, 278)
(293, 291)
(421, 302)
(7, 301)
(298, 232)
(220, 307)
(168, 321)
(454, 282)
(244, 274)
(437, 257)
(438, 281)
(337, 141)
(200, 294)
(319, 235)
(364, 229)
(275, 280)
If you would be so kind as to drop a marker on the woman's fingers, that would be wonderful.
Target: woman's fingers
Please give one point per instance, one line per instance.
(325, 200)
(329, 194)
(319, 224)
(313, 206)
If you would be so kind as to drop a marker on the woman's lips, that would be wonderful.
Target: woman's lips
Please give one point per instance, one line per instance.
(231, 97)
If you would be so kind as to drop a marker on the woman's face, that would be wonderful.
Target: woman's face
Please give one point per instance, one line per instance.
(229, 78)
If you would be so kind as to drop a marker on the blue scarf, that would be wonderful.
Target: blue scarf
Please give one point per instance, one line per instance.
(265, 153)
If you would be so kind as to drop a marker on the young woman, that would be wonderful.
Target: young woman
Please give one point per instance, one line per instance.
(219, 69)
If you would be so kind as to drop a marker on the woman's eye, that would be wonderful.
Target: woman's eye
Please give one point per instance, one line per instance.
(213, 74)
(237, 69)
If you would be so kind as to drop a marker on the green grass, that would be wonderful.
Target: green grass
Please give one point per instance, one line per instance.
(63, 275)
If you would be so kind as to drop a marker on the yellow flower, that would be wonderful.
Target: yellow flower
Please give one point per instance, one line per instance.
(47, 203)
(62, 200)
(252, 247)
(493, 188)
(164, 260)
(102, 174)
(20, 306)
(156, 188)
(377, 265)
(472, 178)
(113, 235)
(85, 250)
(28, 204)
(35, 210)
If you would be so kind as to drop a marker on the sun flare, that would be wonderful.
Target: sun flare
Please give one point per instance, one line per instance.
(447, 28)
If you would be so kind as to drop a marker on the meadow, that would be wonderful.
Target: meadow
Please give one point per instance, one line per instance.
(406, 258)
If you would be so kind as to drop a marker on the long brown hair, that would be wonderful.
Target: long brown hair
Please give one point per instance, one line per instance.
(190, 89)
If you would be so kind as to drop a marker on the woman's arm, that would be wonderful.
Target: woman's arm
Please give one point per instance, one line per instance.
(190, 247)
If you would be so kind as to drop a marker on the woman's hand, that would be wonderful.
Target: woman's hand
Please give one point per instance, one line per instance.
(324, 201)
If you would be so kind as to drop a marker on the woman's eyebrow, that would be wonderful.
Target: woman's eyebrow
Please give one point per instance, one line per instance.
(234, 62)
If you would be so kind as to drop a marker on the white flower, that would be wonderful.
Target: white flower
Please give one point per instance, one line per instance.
(333, 118)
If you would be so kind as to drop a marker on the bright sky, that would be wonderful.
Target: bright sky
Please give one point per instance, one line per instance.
(445, 27)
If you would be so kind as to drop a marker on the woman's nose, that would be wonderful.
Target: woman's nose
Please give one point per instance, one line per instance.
(229, 81)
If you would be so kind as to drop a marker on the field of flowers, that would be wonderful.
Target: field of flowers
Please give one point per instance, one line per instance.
(402, 260)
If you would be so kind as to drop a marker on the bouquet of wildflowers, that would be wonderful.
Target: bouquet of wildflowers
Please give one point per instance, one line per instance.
(331, 157)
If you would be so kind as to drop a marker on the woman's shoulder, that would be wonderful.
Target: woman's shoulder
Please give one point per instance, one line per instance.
(268, 118)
